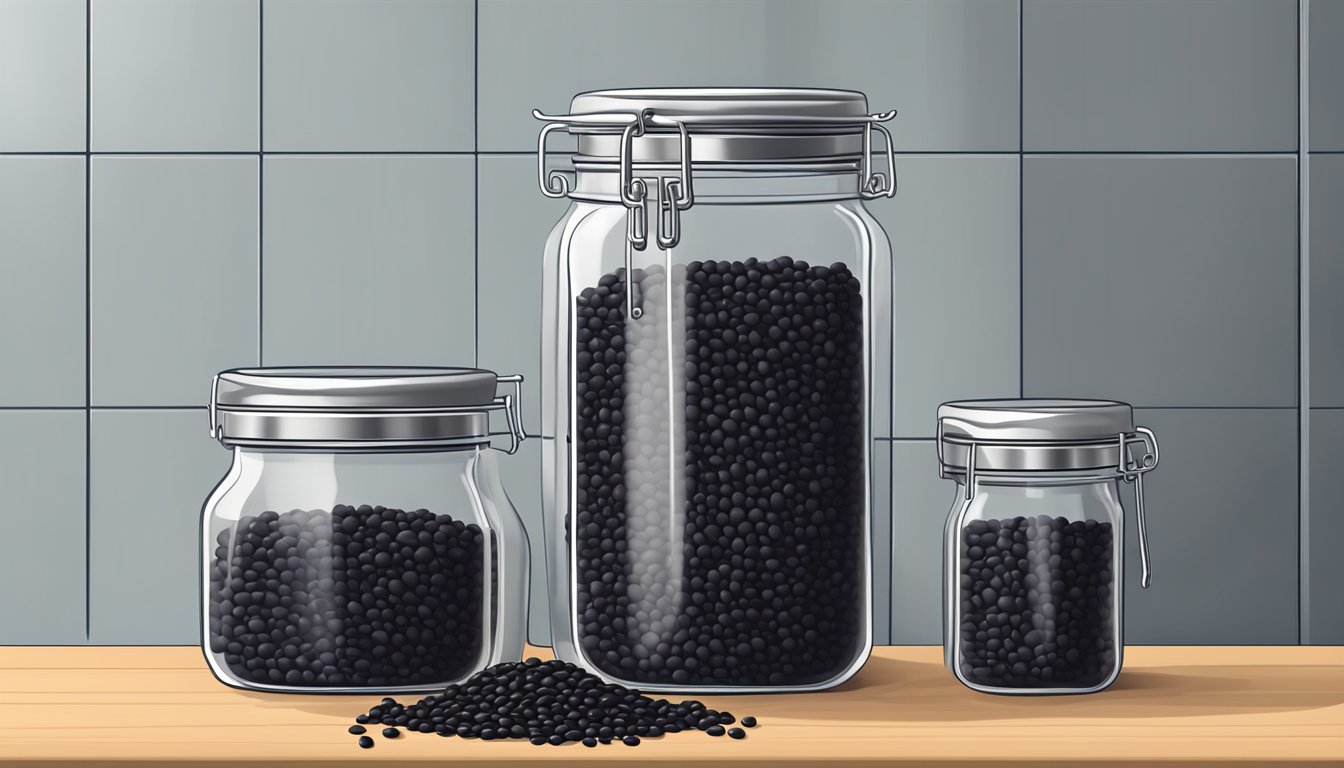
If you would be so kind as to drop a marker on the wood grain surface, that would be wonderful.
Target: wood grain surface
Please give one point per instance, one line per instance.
(1171, 706)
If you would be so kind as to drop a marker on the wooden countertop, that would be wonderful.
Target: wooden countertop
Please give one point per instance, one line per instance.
(1171, 705)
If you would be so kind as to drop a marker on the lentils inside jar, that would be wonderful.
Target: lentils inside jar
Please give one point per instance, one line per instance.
(355, 597)
(721, 473)
(1036, 603)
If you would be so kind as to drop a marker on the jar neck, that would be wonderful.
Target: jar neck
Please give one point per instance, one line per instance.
(262, 452)
(600, 183)
(1013, 496)
(1039, 479)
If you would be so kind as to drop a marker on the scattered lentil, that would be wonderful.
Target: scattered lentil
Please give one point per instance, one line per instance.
(546, 702)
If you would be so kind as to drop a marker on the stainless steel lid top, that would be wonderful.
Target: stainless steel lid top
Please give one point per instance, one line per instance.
(359, 407)
(1036, 419)
(1042, 436)
(355, 388)
(771, 107)
(648, 128)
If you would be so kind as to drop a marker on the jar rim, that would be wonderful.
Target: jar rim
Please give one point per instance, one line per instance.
(370, 407)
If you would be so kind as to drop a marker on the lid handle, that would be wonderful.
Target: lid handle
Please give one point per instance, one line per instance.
(512, 405)
(211, 411)
(633, 192)
(556, 183)
(877, 185)
(1133, 473)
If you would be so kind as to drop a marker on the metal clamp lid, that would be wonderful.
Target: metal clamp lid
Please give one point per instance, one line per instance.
(363, 408)
(705, 112)
(1048, 436)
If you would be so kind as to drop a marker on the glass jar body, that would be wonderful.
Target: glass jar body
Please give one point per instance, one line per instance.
(709, 435)
(1033, 578)
(350, 571)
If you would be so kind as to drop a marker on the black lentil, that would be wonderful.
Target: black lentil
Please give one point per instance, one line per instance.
(759, 581)
(391, 733)
(551, 702)
(354, 597)
(357, 729)
(1036, 603)
(737, 733)
(365, 742)
(749, 722)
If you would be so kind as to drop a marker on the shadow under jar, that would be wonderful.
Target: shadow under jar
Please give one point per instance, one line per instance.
(362, 539)
(1034, 553)
(715, 366)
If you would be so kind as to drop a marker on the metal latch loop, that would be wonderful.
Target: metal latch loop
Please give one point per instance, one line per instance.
(212, 411)
(876, 184)
(633, 191)
(556, 183)
(1133, 472)
(512, 405)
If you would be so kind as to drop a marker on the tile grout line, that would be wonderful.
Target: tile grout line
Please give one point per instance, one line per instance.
(258, 152)
(476, 182)
(532, 153)
(88, 319)
(1294, 408)
(1303, 323)
(261, 180)
(96, 408)
(1021, 211)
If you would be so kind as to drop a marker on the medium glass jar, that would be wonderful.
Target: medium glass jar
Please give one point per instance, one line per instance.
(716, 325)
(361, 540)
(1034, 555)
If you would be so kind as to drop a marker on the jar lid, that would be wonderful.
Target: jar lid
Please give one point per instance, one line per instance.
(763, 107)
(650, 127)
(359, 406)
(629, 135)
(1041, 436)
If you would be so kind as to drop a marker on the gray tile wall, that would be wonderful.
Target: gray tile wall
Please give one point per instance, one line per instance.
(1098, 199)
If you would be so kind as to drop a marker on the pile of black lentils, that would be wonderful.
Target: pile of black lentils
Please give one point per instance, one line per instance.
(355, 597)
(1036, 603)
(545, 702)
(746, 566)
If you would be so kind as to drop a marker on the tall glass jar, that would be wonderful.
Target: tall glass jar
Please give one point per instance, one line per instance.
(1034, 554)
(716, 324)
(361, 541)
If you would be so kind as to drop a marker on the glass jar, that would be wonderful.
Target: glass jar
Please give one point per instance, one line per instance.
(361, 541)
(1034, 553)
(716, 362)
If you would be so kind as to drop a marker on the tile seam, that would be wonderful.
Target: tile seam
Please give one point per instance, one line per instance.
(88, 320)
(1304, 320)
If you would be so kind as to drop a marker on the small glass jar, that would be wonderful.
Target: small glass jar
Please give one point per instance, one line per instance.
(716, 324)
(1034, 553)
(361, 540)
